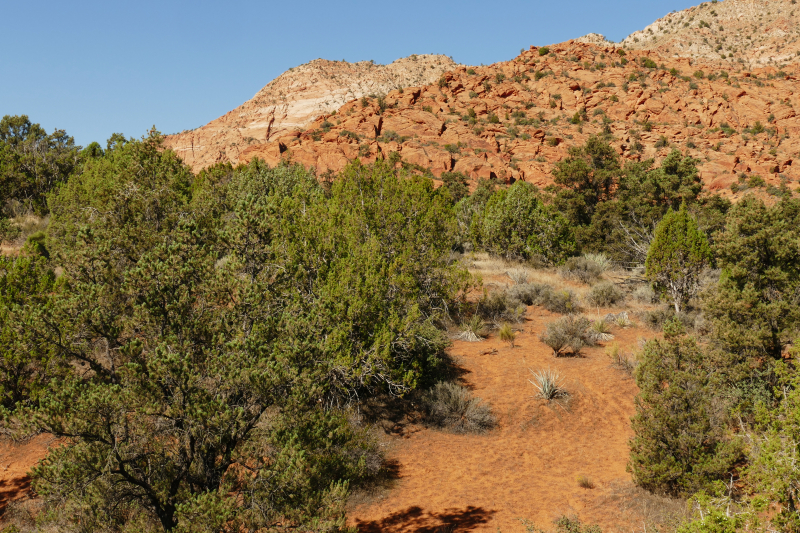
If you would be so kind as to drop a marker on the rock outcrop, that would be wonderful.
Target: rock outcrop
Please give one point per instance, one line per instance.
(294, 99)
(514, 120)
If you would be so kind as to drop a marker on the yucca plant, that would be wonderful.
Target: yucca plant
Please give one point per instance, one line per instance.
(601, 330)
(549, 384)
(623, 321)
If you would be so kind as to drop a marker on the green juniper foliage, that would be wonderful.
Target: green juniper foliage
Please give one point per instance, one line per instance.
(516, 223)
(198, 348)
(677, 256)
(681, 442)
(755, 308)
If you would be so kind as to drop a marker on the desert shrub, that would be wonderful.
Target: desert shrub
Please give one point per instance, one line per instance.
(644, 294)
(549, 384)
(568, 334)
(655, 318)
(585, 482)
(754, 307)
(516, 224)
(677, 256)
(33, 163)
(530, 293)
(507, 334)
(605, 294)
(499, 306)
(8, 231)
(571, 524)
(581, 269)
(453, 407)
(543, 51)
(561, 301)
(208, 301)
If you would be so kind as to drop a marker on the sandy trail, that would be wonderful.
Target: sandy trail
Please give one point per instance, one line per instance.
(528, 467)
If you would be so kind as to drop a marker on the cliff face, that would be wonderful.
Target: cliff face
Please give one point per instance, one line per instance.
(514, 120)
(744, 33)
(294, 99)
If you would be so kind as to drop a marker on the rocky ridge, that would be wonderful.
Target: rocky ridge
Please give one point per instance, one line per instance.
(515, 119)
(294, 99)
(743, 33)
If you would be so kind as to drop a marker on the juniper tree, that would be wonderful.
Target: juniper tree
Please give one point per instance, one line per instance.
(516, 223)
(680, 444)
(33, 162)
(755, 307)
(210, 329)
(677, 256)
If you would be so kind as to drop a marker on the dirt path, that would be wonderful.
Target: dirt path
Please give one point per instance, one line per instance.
(528, 467)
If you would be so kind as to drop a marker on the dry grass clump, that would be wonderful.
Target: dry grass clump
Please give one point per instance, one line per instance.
(568, 334)
(605, 294)
(585, 482)
(644, 294)
(518, 275)
(473, 330)
(600, 259)
(620, 319)
(453, 407)
(549, 384)
(507, 334)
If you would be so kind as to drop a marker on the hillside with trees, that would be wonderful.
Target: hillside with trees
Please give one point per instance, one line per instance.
(560, 293)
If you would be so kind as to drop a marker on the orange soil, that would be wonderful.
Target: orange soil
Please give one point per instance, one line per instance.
(16, 459)
(528, 466)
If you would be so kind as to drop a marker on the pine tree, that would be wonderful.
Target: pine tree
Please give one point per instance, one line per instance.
(677, 256)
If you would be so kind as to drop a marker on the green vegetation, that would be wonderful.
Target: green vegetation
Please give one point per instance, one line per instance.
(682, 443)
(195, 334)
(516, 223)
(677, 256)
(200, 343)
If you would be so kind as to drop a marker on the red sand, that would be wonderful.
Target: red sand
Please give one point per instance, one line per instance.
(527, 467)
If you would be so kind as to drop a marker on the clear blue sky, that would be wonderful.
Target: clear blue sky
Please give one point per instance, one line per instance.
(94, 68)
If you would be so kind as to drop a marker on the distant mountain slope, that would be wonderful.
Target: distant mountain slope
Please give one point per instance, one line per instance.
(295, 98)
(515, 119)
(740, 32)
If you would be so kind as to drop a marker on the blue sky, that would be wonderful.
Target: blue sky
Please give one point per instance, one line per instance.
(95, 68)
